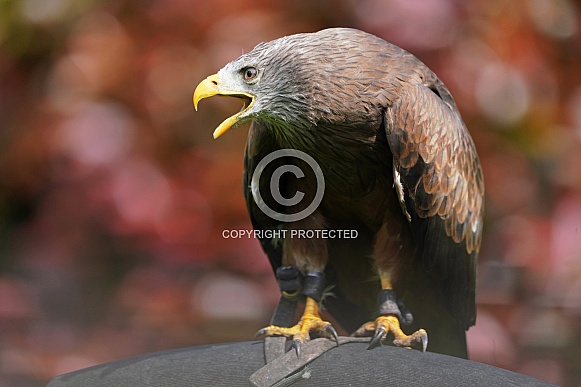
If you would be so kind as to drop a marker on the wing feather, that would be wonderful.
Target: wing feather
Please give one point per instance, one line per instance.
(439, 168)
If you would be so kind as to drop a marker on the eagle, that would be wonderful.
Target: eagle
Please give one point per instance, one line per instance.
(363, 185)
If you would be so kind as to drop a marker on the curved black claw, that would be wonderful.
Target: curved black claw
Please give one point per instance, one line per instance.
(260, 332)
(331, 331)
(424, 341)
(297, 345)
(376, 340)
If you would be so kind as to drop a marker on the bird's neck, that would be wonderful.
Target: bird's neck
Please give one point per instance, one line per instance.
(296, 135)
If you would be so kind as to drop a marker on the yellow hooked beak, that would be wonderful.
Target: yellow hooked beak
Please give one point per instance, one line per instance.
(210, 87)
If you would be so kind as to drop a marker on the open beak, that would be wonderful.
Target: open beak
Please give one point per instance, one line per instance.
(210, 87)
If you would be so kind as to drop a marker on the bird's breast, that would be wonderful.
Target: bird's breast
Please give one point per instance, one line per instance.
(358, 178)
(355, 161)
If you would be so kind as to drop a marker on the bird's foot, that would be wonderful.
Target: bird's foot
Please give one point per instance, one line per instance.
(309, 324)
(390, 323)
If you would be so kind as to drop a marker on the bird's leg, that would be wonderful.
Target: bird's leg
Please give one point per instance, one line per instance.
(309, 257)
(310, 322)
(389, 250)
(392, 313)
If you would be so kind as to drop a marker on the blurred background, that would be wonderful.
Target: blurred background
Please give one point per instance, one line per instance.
(113, 195)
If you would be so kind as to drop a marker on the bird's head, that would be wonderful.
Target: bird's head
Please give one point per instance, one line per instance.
(295, 81)
(267, 79)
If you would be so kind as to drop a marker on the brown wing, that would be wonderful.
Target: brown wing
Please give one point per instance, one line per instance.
(443, 189)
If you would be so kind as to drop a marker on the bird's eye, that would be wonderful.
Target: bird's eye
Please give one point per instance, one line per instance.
(250, 73)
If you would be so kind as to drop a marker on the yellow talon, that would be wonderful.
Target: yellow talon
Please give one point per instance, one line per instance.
(390, 323)
(310, 322)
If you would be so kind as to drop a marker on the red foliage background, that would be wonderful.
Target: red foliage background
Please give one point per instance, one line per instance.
(113, 195)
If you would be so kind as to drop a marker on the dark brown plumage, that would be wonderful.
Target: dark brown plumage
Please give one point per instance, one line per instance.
(399, 167)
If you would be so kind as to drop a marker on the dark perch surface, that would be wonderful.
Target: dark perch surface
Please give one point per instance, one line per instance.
(350, 364)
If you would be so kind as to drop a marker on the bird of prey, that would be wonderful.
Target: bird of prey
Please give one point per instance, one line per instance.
(396, 228)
